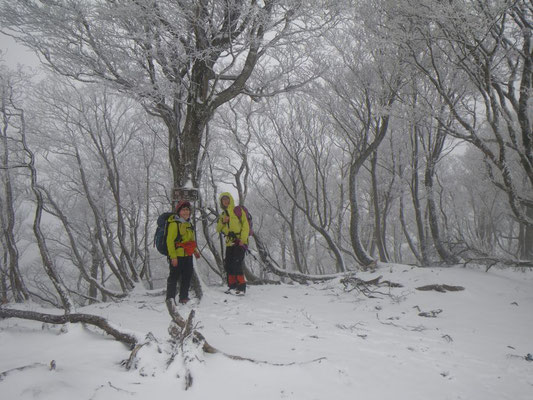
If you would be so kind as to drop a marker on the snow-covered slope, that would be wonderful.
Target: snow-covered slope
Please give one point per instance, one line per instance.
(311, 342)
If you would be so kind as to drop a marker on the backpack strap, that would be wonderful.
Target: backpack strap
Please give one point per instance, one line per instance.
(238, 211)
(178, 236)
(172, 219)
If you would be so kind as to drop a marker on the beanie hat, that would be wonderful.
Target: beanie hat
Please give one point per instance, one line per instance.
(182, 204)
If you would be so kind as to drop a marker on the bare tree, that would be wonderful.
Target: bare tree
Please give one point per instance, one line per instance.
(382, 199)
(104, 198)
(183, 60)
(361, 113)
(10, 89)
(49, 264)
(479, 57)
(428, 145)
(302, 160)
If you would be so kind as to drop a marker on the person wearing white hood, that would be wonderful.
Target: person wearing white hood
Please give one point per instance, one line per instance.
(236, 230)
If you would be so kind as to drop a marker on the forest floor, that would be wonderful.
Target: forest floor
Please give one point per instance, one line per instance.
(317, 341)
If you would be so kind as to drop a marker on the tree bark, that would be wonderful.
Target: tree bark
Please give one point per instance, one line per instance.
(379, 213)
(7, 219)
(526, 245)
(445, 254)
(94, 320)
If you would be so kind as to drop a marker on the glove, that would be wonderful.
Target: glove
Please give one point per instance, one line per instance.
(189, 247)
(232, 235)
(197, 254)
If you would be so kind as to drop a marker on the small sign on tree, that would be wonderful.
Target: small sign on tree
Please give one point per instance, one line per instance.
(189, 194)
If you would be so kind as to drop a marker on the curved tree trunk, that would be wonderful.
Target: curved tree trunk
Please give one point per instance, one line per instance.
(7, 219)
(423, 254)
(48, 263)
(360, 252)
(271, 266)
(447, 256)
(379, 234)
(432, 158)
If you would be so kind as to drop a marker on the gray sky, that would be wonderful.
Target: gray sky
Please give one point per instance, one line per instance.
(14, 53)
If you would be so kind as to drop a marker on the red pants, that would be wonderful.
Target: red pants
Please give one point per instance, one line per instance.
(234, 266)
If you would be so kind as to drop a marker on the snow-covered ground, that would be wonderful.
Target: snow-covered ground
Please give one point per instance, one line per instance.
(311, 342)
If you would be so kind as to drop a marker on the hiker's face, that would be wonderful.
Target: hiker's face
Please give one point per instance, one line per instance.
(185, 213)
(225, 202)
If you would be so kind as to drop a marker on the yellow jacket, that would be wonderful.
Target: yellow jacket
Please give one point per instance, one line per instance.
(237, 226)
(186, 235)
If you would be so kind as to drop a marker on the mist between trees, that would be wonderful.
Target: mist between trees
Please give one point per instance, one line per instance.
(355, 132)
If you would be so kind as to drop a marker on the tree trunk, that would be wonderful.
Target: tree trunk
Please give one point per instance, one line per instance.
(434, 154)
(95, 266)
(378, 233)
(415, 193)
(526, 245)
(445, 254)
(7, 219)
(360, 253)
(48, 263)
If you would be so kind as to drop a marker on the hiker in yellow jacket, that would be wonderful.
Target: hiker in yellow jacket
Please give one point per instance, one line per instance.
(181, 245)
(236, 231)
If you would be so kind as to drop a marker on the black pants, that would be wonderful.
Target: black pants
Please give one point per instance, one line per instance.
(183, 273)
(234, 266)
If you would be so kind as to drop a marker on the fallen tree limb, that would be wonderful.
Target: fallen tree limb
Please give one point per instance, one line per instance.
(441, 288)
(352, 283)
(252, 279)
(94, 320)
(186, 327)
(271, 266)
(34, 365)
(489, 261)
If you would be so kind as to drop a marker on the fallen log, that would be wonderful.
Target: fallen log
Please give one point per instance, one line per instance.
(441, 288)
(89, 319)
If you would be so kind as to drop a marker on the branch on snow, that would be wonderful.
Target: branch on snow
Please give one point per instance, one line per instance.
(187, 329)
(353, 283)
(271, 266)
(94, 320)
(489, 262)
(34, 365)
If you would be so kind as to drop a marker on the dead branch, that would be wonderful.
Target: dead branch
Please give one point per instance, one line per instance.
(34, 365)
(94, 320)
(130, 362)
(186, 327)
(489, 261)
(419, 328)
(430, 314)
(270, 265)
(441, 288)
(353, 283)
(182, 324)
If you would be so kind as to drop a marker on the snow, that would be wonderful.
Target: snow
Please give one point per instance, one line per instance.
(310, 342)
